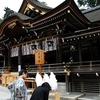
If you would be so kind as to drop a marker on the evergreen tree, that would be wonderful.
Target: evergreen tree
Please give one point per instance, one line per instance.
(89, 3)
(44, 3)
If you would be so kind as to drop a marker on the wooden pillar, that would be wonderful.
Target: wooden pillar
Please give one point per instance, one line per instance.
(19, 58)
(98, 47)
(59, 51)
(67, 82)
(80, 52)
(57, 54)
(40, 69)
(91, 50)
(4, 61)
(9, 59)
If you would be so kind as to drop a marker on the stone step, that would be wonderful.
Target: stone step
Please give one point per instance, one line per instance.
(89, 97)
(70, 96)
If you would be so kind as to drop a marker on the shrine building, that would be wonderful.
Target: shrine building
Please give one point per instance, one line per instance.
(62, 40)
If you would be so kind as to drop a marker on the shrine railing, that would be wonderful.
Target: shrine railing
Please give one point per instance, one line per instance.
(57, 67)
(86, 66)
(3, 69)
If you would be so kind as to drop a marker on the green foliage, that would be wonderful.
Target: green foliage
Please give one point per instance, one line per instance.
(82, 9)
(44, 3)
(0, 19)
(89, 3)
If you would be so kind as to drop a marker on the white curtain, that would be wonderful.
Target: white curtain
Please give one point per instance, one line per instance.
(14, 51)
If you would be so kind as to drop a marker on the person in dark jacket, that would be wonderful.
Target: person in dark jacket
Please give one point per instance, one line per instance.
(41, 92)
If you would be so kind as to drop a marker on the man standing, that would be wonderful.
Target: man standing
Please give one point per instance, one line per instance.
(18, 88)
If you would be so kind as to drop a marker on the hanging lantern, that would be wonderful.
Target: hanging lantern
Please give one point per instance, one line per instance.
(72, 48)
(68, 73)
(49, 43)
(34, 47)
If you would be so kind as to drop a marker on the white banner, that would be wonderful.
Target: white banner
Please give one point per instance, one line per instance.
(14, 52)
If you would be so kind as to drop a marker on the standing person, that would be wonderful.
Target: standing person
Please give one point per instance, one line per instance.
(41, 92)
(18, 88)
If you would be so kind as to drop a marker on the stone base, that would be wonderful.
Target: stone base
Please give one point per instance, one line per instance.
(71, 96)
(61, 87)
(90, 97)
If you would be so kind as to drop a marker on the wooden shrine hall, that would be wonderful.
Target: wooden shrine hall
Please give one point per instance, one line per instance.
(68, 38)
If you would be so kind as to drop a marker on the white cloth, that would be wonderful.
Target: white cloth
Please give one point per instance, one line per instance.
(50, 79)
(53, 81)
(38, 79)
(46, 78)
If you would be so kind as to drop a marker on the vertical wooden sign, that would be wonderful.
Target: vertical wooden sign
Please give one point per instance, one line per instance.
(39, 59)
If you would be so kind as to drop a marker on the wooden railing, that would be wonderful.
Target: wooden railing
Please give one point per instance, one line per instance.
(57, 67)
(86, 66)
(3, 69)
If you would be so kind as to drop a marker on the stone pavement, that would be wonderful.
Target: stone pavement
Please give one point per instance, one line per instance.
(5, 95)
(79, 96)
(70, 96)
(90, 97)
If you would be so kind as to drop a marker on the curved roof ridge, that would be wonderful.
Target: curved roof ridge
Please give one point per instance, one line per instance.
(39, 4)
(20, 15)
(91, 9)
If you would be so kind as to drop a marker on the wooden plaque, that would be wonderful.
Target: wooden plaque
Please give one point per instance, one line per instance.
(39, 57)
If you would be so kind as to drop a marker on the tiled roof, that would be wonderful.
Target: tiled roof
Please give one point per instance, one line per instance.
(36, 2)
(92, 14)
(21, 16)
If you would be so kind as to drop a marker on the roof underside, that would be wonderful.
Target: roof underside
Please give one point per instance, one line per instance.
(66, 17)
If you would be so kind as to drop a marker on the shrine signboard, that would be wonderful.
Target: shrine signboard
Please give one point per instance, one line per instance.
(39, 57)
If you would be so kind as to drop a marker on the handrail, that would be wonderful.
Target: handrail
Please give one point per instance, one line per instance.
(3, 69)
(68, 66)
(63, 67)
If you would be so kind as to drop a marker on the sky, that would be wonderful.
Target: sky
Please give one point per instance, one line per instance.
(15, 5)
